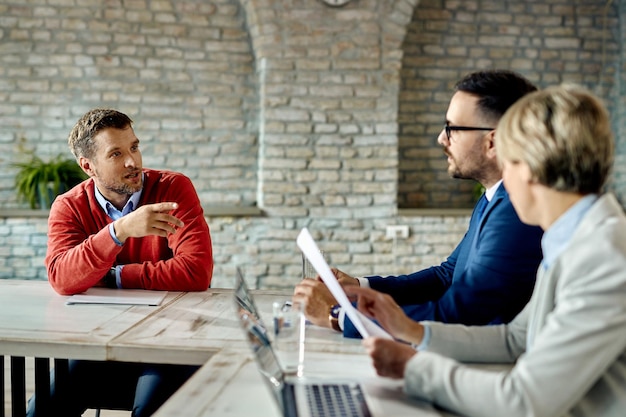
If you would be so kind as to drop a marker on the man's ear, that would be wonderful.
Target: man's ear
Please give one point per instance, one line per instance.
(86, 166)
(490, 144)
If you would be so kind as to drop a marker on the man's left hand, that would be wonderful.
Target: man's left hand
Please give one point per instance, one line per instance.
(317, 300)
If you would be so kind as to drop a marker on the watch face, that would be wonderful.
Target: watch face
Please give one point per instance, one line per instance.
(336, 3)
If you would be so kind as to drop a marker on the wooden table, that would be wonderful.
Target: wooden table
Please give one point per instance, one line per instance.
(196, 325)
(196, 328)
(193, 327)
(187, 328)
(229, 385)
(36, 322)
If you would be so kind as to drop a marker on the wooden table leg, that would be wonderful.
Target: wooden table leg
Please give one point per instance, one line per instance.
(18, 386)
(42, 384)
(2, 399)
(61, 375)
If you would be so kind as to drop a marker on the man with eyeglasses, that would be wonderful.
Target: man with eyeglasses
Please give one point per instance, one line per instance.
(490, 275)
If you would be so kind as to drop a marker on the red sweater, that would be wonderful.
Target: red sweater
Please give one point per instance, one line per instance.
(81, 249)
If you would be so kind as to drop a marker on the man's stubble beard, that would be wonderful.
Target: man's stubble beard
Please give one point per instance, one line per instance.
(472, 171)
(121, 189)
(124, 189)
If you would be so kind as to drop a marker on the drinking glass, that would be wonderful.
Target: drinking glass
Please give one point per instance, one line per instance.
(307, 267)
(289, 330)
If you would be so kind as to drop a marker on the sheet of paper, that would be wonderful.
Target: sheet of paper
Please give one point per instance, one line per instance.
(112, 296)
(363, 324)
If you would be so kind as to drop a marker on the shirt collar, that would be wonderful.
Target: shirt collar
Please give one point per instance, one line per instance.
(492, 191)
(558, 236)
(111, 210)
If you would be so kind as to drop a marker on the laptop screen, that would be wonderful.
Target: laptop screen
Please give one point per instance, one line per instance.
(257, 335)
(244, 298)
(284, 392)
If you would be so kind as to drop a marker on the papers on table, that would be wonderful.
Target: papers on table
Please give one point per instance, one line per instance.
(363, 324)
(120, 296)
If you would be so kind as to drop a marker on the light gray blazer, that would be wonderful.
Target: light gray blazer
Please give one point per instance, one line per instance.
(569, 341)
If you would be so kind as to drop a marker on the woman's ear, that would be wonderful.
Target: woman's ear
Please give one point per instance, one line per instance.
(527, 174)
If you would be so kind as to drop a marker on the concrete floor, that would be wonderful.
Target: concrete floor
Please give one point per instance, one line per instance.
(30, 389)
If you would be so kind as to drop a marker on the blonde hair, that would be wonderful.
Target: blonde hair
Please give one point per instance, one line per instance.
(564, 135)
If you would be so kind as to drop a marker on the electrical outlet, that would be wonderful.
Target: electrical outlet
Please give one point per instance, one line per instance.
(397, 232)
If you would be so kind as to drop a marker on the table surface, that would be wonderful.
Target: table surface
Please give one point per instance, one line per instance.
(36, 322)
(196, 328)
(187, 328)
(196, 325)
(218, 387)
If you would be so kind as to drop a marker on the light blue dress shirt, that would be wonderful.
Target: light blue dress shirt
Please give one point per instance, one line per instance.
(557, 237)
(115, 214)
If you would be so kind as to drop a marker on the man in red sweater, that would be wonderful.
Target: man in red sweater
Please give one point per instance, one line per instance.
(124, 227)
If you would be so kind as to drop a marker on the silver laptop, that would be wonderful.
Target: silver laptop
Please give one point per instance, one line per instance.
(298, 397)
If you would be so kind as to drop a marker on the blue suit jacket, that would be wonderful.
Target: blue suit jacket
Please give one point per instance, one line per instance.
(488, 278)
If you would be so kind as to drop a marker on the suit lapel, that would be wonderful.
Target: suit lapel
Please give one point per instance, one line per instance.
(469, 242)
(476, 226)
(495, 201)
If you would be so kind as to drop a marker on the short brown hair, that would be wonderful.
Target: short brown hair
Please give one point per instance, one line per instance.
(80, 139)
(564, 135)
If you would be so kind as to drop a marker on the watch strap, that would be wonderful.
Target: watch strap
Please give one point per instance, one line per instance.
(110, 279)
(333, 317)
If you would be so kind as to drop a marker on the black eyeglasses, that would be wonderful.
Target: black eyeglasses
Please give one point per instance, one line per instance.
(449, 129)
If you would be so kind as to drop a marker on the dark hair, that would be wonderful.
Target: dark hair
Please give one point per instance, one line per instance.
(497, 90)
(80, 139)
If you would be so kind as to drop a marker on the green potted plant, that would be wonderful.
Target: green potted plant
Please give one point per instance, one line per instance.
(477, 191)
(38, 182)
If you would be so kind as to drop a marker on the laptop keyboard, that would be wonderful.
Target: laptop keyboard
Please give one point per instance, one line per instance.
(336, 400)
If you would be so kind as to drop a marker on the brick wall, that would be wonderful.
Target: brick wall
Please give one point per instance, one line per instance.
(549, 42)
(323, 117)
(22, 248)
(184, 71)
(619, 114)
(265, 247)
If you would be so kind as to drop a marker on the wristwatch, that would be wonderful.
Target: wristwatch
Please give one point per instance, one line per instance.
(110, 279)
(333, 317)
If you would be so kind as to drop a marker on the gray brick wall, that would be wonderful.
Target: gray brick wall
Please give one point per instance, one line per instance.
(184, 71)
(265, 247)
(22, 247)
(550, 42)
(323, 117)
(619, 177)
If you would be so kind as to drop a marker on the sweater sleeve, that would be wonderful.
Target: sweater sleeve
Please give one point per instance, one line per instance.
(80, 248)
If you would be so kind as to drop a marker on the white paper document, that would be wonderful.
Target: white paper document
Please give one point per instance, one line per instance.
(118, 296)
(363, 324)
